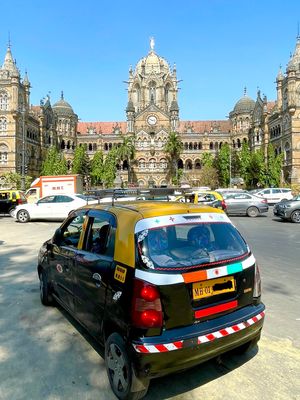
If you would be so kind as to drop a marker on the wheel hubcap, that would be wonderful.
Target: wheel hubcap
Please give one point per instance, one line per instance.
(22, 216)
(117, 368)
(296, 216)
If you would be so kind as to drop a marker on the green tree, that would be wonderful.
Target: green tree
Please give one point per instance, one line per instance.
(110, 167)
(274, 167)
(81, 161)
(97, 168)
(55, 163)
(256, 170)
(207, 159)
(222, 164)
(208, 176)
(13, 180)
(173, 149)
(126, 152)
(244, 157)
(235, 164)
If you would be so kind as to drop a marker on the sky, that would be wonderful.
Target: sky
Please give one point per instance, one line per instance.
(85, 49)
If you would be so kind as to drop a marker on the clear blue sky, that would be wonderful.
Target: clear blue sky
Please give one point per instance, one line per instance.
(85, 48)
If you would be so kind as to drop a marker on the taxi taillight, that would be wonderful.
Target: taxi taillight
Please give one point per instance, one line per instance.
(146, 306)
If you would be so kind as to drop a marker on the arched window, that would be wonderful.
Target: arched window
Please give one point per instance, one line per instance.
(180, 164)
(211, 146)
(90, 147)
(3, 101)
(152, 163)
(197, 164)
(163, 163)
(62, 145)
(216, 146)
(188, 165)
(69, 165)
(190, 146)
(168, 94)
(94, 147)
(3, 125)
(238, 143)
(195, 146)
(200, 145)
(125, 165)
(109, 146)
(186, 146)
(3, 153)
(152, 92)
(142, 163)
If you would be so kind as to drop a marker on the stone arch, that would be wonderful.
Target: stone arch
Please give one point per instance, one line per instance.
(142, 163)
(180, 164)
(188, 164)
(90, 148)
(197, 164)
(238, 143)
(62, 145)
(125, 165)
(152, 91)
(211, 146)
(94, 146)
(4, 151)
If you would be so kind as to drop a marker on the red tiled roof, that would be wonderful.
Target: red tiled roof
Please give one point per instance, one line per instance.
(270, 105)
(196, 126)
(100, 127)
(205, 126)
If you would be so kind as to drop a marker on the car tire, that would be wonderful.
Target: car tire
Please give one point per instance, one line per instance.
(120, 372)
(252, 212)
(10, 210)
(45, 295)
(295, 216)
(23, 216)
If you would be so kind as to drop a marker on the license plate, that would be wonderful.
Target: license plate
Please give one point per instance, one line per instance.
(213, 287)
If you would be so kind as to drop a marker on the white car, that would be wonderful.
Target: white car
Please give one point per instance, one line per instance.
(55, 207)
(273, 195)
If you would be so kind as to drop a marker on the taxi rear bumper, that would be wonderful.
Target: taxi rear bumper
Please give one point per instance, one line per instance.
(189, 346)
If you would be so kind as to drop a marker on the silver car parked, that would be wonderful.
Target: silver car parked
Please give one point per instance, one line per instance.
(289, 209)
(244, 203)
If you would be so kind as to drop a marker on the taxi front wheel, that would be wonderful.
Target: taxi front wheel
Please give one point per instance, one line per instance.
(45, 295)
(120, 372)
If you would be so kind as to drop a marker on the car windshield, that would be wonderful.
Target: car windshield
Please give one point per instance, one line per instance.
(189, 244)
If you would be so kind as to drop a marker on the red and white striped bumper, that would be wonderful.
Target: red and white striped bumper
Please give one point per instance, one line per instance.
(165, 347)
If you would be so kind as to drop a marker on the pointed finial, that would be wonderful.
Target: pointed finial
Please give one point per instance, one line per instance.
(245, 91)
(152, 43)
(298, 37)
(9, 44)
(62, 95)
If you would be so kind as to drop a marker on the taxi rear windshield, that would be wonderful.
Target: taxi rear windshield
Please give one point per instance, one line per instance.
(189, 244)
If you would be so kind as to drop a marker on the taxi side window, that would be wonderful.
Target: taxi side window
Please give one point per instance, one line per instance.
(101, 235)
(71, 230)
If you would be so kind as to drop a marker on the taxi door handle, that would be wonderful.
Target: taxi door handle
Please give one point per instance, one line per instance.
(97, 278)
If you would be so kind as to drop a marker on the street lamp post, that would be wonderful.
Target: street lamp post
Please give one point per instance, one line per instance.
(23, 164)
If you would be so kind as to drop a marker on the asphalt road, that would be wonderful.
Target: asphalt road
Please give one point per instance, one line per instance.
(45, 355)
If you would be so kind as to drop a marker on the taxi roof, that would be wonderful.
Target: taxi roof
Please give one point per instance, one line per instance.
(128, 214)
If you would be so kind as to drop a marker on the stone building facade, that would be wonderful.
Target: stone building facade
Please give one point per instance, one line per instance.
(152, 112)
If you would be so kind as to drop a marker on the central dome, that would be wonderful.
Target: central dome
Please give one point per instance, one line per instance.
(152, 63)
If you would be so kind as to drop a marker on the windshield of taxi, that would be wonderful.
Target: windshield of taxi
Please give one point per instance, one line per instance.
(188, 244)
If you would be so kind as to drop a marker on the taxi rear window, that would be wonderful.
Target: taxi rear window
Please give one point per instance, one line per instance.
(189, 244)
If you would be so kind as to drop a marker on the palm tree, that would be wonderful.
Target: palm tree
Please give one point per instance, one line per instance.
(173, 149)
(126, 152)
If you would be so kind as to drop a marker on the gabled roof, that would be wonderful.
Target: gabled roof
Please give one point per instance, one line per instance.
(104, 128)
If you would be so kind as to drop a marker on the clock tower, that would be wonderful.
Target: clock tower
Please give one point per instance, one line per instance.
(152, 113)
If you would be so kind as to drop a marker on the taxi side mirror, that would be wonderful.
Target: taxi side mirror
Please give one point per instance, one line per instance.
(58, 237)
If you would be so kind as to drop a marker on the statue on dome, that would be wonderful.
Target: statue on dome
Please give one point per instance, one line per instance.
(152, 43)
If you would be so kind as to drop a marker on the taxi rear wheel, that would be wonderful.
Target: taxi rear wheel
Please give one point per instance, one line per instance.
(120, 372)
(23, 216)
(45, 294)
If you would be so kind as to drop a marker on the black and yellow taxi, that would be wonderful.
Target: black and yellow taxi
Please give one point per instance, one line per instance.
(208, 197)
(162, 286)
(9, 199)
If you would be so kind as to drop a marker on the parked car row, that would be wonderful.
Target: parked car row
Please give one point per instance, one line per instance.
(233, 202)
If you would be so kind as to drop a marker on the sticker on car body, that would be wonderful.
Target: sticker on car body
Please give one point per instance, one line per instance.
(120, 273)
